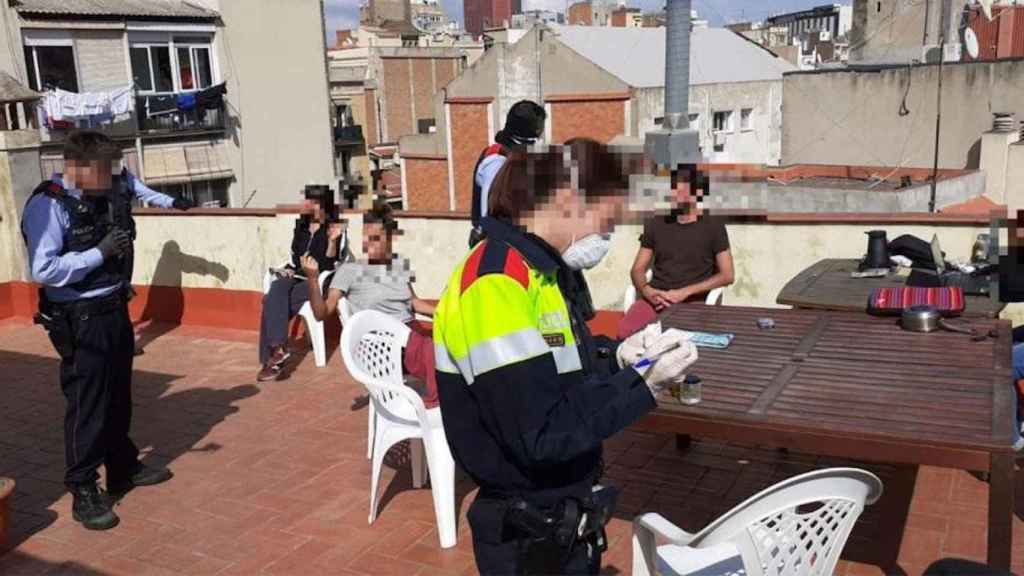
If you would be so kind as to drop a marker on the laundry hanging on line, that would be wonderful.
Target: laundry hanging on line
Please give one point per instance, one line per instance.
(208, 99)
(61, 105)
(212, 97)
(187, 102)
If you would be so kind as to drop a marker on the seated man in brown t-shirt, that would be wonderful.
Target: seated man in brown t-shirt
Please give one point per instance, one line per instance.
(690, 254)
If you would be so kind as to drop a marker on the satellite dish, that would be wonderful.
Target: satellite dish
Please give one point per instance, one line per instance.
(986, 7)
(971, 43)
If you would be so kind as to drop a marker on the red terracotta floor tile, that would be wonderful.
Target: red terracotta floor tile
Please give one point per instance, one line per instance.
(274, 478)
(372, 563)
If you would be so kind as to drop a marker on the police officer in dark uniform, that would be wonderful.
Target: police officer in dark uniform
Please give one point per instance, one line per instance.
(80, 252)
(524, 126)
(527, 393)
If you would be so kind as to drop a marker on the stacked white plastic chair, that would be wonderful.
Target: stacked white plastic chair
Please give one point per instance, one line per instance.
(797, 527)
(371, 346)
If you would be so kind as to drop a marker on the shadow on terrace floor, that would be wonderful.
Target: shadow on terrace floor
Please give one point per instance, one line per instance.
(18, 563)
(31, 431)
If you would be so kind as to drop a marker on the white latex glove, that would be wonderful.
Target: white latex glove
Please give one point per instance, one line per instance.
(632, 349)
(673, 364)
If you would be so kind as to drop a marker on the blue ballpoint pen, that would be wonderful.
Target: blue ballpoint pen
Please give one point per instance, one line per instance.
(648, 361)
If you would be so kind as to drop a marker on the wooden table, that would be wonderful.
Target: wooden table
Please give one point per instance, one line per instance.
(827, 286)
(854, 386)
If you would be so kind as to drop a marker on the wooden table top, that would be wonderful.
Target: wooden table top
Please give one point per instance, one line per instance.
(827, 286)
(853, 374)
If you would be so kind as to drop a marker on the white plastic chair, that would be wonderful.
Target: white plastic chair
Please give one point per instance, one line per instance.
(797, 527)
(345, 313)
(314, 327)
(629, 298)
(371, 346)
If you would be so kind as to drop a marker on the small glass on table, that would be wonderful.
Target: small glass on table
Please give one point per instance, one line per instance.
(686, 390)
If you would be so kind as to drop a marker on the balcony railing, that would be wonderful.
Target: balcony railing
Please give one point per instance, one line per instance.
(348, 134)
(140, 124)
(195, 120)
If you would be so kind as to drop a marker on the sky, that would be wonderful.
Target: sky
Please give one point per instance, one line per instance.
(345, 13)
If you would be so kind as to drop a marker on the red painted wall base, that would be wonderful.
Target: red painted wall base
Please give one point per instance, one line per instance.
(213, 307)
(236, 309)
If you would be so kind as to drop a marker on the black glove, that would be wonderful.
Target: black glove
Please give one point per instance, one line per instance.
(181, 204)
(115, 243)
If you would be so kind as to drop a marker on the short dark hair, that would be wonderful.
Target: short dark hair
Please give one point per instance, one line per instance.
(90, 145)
(525, 119)
(381, 214)
(529, 178)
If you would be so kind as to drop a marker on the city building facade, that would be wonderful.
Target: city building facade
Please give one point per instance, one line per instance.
(591, 88)
(479, 15)
(898, 32)
(834, 19)
(160, 59)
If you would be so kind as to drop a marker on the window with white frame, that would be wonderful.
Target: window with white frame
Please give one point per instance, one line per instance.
(747, 119)
(172, 64)
(195, 69)
(151, 68)
(722, 121)
(50, 61)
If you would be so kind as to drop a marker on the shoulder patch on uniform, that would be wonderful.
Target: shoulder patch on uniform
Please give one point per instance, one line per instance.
(49, 188)
(494, 258)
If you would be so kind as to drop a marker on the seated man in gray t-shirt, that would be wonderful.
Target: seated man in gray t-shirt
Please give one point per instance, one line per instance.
(382, 282)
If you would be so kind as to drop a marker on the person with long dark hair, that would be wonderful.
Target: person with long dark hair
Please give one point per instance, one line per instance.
(317, 235)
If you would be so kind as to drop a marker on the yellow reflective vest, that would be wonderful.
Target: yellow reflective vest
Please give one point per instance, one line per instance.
(524, 405)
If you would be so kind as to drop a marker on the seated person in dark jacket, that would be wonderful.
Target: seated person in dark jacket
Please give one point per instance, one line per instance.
(316, 237)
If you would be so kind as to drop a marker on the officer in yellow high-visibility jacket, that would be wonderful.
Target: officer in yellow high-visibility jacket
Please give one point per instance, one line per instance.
(527, 395)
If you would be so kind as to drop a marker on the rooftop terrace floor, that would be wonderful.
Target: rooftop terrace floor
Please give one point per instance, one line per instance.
(273, 478)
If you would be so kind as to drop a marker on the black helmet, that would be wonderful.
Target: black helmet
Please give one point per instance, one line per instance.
(525, 121)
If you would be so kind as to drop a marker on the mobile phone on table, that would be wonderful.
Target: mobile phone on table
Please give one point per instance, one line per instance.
(871, 273)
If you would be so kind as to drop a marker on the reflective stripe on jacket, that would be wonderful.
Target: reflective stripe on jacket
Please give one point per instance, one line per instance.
(524, 413)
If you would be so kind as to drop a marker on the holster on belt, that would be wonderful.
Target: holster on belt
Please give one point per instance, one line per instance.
(57, 323)
(569, 522)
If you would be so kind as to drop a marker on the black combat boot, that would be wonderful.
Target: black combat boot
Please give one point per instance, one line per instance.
(91, 508)
(140, 475)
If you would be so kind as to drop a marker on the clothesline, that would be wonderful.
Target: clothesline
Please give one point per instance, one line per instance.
(61, 105)
(64, 107)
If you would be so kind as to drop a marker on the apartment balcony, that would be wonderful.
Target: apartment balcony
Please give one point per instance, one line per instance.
(348, 135)
(139, 123)
(180, 122)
